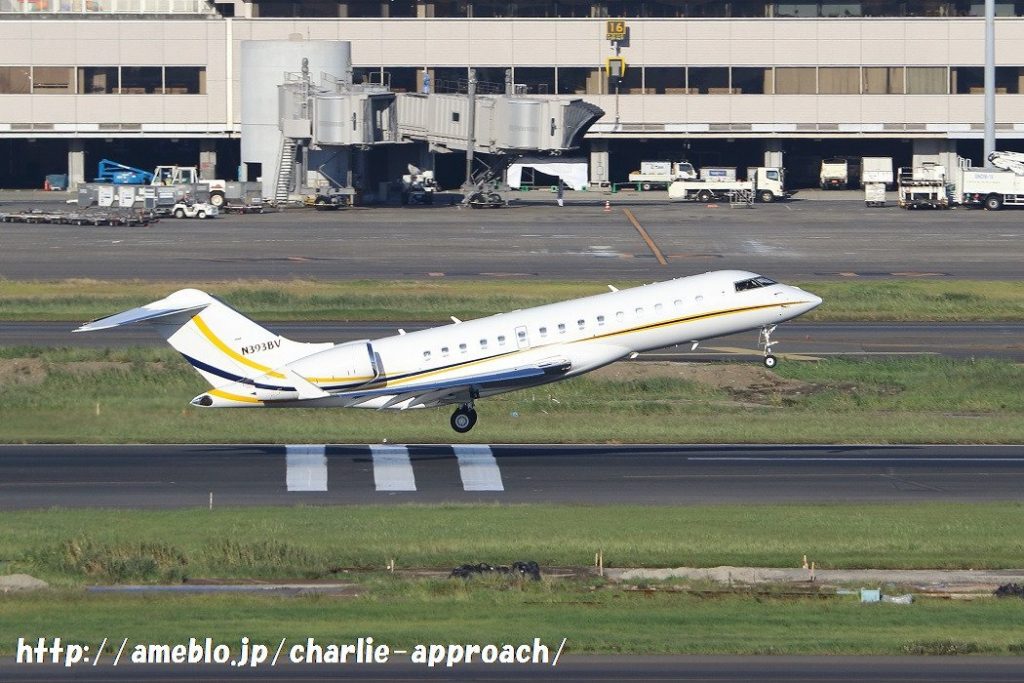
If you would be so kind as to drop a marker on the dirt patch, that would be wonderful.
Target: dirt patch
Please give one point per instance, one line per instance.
(21, 582)
(746, 383)
(22, 371)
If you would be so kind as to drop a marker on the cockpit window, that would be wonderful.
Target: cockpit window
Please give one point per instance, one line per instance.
(754, 283)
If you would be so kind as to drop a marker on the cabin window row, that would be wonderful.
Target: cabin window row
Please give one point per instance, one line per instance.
(543, 330)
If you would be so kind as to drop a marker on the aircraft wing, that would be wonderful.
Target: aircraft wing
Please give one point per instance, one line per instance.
(461, 389)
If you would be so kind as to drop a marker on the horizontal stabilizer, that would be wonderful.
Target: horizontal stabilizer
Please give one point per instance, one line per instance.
(149, 313)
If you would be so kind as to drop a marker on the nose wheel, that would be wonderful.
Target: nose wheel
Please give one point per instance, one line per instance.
(463, 418)
(766, 343)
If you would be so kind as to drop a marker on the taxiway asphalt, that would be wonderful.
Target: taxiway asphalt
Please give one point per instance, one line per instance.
(794, 240)
(181, 476)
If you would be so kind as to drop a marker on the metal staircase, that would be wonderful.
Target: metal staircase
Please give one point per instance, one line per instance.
(285, 171)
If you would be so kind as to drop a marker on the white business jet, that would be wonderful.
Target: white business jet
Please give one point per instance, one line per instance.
(249, 366)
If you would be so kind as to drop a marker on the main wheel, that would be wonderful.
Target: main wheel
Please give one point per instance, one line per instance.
(993, 202)
(770, 361)
(647, 187)
(217, 199)
(463, 420)
(766, 196)
(705, 196)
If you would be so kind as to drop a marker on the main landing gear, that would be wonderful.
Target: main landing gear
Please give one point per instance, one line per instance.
(766, 342)
(463, 418)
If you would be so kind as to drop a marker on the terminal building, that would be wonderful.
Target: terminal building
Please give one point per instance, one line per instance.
(734, 83)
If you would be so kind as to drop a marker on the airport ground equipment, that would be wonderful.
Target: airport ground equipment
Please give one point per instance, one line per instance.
(194, 210)
(876, 170)
(89, 216)
(117, 173)
(170, 185)
(874, 194)
(765, 184)
(658, 175)
(988, 187)
(922, 187)
(834, 174)
(418, 186)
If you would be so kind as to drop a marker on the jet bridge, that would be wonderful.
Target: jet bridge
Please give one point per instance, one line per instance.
(336, 116)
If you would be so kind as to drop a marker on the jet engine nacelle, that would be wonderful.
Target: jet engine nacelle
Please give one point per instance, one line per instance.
(352, 363)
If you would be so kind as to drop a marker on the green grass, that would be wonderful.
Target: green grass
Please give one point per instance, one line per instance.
(70, 547)
(404, 613)
(141, 395)
(876, 300)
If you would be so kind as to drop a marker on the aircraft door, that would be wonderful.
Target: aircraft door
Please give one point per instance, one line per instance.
(522, 338)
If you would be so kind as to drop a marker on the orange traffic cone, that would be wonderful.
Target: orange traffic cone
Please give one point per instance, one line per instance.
(607, 206)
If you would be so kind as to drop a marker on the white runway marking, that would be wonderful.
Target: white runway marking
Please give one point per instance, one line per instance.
(307, 468)
(478, 468)
(392, 470)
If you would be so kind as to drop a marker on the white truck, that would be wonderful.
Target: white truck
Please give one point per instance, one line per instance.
(835, 174)
(993, 188)
(189, 175)
(876, 170)
(767, 184)
(660, 174)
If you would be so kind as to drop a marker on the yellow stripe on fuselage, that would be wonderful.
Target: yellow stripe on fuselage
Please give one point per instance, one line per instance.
(234, 355)
(233, 397)
(634, 330)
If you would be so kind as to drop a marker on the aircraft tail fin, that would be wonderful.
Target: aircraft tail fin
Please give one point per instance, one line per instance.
(220, 343)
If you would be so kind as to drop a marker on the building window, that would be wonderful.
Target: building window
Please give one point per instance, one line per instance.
(665, 80)
(403, 78)
(185, 80)
(53, 80)
(751, 80)
(535, 80)
(139, 80)
(883, 80)
(795, 80)
(97, 80)
(927, 80)
(579, 80)
(708, 80)
(15, 80)
(839, 80)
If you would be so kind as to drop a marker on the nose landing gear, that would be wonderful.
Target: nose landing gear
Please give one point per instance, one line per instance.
(463, 418)
(765, 340)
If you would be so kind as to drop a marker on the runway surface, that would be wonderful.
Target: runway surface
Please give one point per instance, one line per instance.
(958, 340)
(573, 669)
(175, 476)
(803, 240)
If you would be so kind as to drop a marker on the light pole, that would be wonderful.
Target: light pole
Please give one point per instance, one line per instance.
(990, 80)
